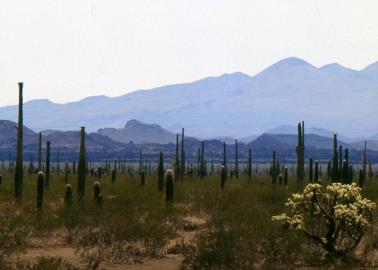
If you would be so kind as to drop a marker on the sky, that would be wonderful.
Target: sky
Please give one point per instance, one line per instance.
(65, 50)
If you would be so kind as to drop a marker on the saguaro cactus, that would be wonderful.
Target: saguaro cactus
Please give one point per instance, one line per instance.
(286, 177)
(223, 177)
(40, 189)
(66, 172)
(202, 166)
(47, 182)
(361, 178)
(161, 172)
(182, 166)
(335, 159)
(329, 170)
(345, 171)
(142, 178)
(225, 157)
(300, 154)
(249, 172)
(81, 166)
(114, 171)
(58, 161)
(340, 162)
(169, 188)
(19, 170)
(364, 162)
(236, 160)
(140, 162)
(311, 170)
(97, 192)
(177, 158)
(40, 151)
(316, 172)
(274, 168)
(68, 195)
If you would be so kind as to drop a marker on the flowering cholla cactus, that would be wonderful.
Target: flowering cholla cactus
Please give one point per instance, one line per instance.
(336, 218)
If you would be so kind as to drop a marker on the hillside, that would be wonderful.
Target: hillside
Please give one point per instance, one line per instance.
(138, 132)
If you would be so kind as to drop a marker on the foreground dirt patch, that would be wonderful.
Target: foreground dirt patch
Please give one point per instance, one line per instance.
(169, 262)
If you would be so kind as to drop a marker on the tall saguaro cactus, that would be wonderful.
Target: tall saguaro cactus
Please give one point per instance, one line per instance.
(225, 157)
(40, 151)
(40, 190)
(316, 173)
(161, 172)
(364, 162)
(177, 158)
(81, 166)
(274, 168)
(236, 160)
(47, 177)
(300, 153)
(203, 169)
(18, 176)
(335, 160)
(311, 170)
(223, 177)
(249, 163)
(169, 186)
(182, 166)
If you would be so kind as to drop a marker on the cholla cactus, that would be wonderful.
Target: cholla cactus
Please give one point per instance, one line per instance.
(336, 218)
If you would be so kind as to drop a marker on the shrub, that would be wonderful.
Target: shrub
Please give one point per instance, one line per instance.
(336, 218)
(13, 238)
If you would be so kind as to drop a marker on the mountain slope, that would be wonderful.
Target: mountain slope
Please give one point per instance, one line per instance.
(138, 132)
(235, 105)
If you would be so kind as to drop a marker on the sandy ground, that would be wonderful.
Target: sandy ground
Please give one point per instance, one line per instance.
(168, 262)
(55, 247)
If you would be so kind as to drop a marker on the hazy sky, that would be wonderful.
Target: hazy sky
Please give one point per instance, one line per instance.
(65, 50)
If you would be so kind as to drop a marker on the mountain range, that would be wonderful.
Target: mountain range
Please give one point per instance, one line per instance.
(151, 139)
(231, 105)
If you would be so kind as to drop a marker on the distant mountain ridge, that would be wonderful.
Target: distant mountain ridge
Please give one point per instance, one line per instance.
(233, 105)
(100, 146)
